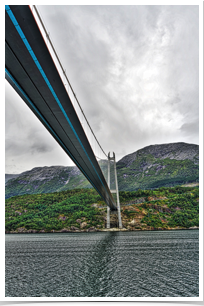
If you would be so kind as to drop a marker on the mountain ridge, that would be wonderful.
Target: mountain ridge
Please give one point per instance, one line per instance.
(153, 149)
(150, 167)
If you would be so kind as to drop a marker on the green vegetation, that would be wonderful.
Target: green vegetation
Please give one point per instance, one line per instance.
(53, 211)
(166, 207)
(161, 208)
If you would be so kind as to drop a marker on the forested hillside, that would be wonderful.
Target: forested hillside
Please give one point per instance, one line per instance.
(84, 210)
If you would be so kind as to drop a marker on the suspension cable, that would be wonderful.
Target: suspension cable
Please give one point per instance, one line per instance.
(64, 72)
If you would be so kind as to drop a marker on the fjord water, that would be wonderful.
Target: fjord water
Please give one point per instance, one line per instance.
(100, 264)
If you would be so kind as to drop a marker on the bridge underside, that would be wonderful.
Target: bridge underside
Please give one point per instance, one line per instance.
(33, 74)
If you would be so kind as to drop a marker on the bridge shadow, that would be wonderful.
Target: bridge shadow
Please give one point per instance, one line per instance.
(98, 268)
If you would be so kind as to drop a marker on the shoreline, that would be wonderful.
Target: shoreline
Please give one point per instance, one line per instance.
(114, 229)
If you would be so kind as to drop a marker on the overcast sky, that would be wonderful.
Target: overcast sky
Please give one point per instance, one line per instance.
(135, 72)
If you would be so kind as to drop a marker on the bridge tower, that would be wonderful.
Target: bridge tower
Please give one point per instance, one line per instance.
(113, 191)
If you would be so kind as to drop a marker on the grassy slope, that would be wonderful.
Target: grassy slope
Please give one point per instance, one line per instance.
(161, 208)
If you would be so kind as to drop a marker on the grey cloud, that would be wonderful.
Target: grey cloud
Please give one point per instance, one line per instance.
(134, 70)
(40, 148)
(25, 135)
(26, 145)
(190, 128)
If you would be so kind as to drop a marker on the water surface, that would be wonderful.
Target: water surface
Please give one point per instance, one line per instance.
(99, 264)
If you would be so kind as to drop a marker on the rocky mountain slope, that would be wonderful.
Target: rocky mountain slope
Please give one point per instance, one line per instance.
(159, 165)
(151, 167)
(45, 180)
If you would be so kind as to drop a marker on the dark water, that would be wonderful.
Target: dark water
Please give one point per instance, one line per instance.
(113, 264)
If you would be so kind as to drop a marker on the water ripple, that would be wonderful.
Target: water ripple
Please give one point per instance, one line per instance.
(112, 264)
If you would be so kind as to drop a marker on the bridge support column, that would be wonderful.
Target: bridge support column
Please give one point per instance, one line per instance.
(108, 208)
(117, 193)
(108, 217)
(114, 191)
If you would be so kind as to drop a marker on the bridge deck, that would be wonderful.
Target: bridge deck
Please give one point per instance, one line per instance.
(31, 71)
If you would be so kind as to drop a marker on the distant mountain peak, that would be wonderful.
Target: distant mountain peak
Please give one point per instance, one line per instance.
(177, 151)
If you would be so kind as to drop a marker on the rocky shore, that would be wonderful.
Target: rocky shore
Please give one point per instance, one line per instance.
(93, 229)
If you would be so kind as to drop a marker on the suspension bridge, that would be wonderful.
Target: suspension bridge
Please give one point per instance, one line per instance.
(35, 76)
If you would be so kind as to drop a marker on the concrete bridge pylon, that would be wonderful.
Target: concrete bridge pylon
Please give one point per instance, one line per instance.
(113, 191)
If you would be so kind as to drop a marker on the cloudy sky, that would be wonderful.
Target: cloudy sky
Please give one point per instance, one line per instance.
(135, 72)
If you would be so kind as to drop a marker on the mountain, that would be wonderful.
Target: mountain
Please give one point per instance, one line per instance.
(159, 165)
(151, 167)
(45, 180)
